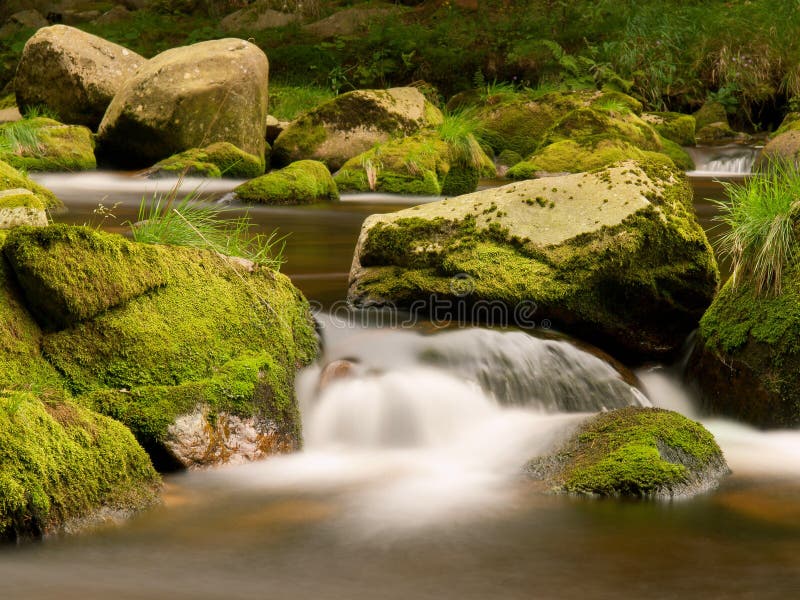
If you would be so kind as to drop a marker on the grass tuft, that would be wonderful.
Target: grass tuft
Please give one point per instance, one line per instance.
(461, 130)
(760, 213)
(188, 221)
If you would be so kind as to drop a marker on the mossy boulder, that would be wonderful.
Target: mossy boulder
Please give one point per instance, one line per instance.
(715, 132)
(784, 147)
(588, 125)
(21, 207)
(635, 452)
(168, 332)
(352, 123)
(11, 179)
(422, 164)
(302, 182)
(747, 354)
(74, 73)
(189, 97)
(710, 112)
(673, 126)
(791, 122)
(43, 144)
(217, 160)
(62, 465)
(615, 256)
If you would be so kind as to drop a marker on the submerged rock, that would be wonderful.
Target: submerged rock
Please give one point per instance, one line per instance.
(422, 164)
(747, 354)
(11, 179)
(615, 257)
(186, 98)
(302, 182)
(43, 144)
(149, 334)
(636, 452)
(73, 73)
(217, 160)
(352, 123)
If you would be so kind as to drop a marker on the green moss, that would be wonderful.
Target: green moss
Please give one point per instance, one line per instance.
(678, 155)
(509, 158)
(617, 100)
(569, 156)
(70, 274)
(11, 179)
(58, 147)
(715, 132)
(791, 122)
(518, 124)
(460, 179)
(23, 199)
(588, 125)
(302, 182)
(220, 159)
(636, 452)
(676, 127)
(299, 140)
(710, 112)
(59, 461)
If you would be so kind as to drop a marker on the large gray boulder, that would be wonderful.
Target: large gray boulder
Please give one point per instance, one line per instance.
(352, 123)
(614, 256)
(189, 97)
(74, 73)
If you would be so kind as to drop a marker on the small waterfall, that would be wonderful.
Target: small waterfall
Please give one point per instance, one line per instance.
(723, 161)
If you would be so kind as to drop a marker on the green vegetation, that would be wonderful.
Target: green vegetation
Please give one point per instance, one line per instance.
(287, 101)
(39, 143)
(761, 214)
(187, 221)
(638, 452)
(11, 178)
(302, 182)
(221, 159)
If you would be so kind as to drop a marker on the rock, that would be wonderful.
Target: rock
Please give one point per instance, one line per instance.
(352, 123)
(217, 160)
(351, 21)
(710, 112)
(302, 182)
(635, 452)
(783, 147)
(43, 144)
(746, 357)
(62, 462)
(73, 73)
(9, 115)
(335, 371)
(21, 207)
(26, 19)
(117, 14)
(189, 97)
(274, 128)
(422, 164)
(715, 132)
(615, 257)
(257, 17)
(673, 126)
(148, 334)
(77, 17)
(11, 179)
(791, 122)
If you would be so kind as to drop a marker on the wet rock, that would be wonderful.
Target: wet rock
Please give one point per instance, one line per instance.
(615, 257)
(635, 452)
(352, 123)
(186, 98)
(73, 73)
(335, 371)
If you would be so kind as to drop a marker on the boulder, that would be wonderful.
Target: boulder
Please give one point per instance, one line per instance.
(43, 144)
(21, 207)
(673, 126)
(784, 147)
(217, 160)
(115, 15)
(421, 164)
(257, 17)
(635, 452)
(302, 182)
(73, 73)
(26, 19)
(153, 335)
(352, 123)
(710, 112)
(715, 132)
(791, 122)
(351, 21)
(747, 355)
(11, 179)
(615, 256)
(189, 97)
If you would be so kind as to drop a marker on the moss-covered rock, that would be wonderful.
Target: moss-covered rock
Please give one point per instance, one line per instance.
(635, 452)
(747, 354)
(710, 112)
(422, 164)
(588, 125)
(61, 463)
(791, 122)
(302, 182)
(715, 132)
(352, 123)
(42, 144)
(11, 179)
(217, 336)
(186, 98)
(614, 256)
(677, 155)
(73, 73)
(673, 126)
(217, 160)
(21, 207)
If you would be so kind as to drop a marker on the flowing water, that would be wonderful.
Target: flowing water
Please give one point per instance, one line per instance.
(409, 486)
